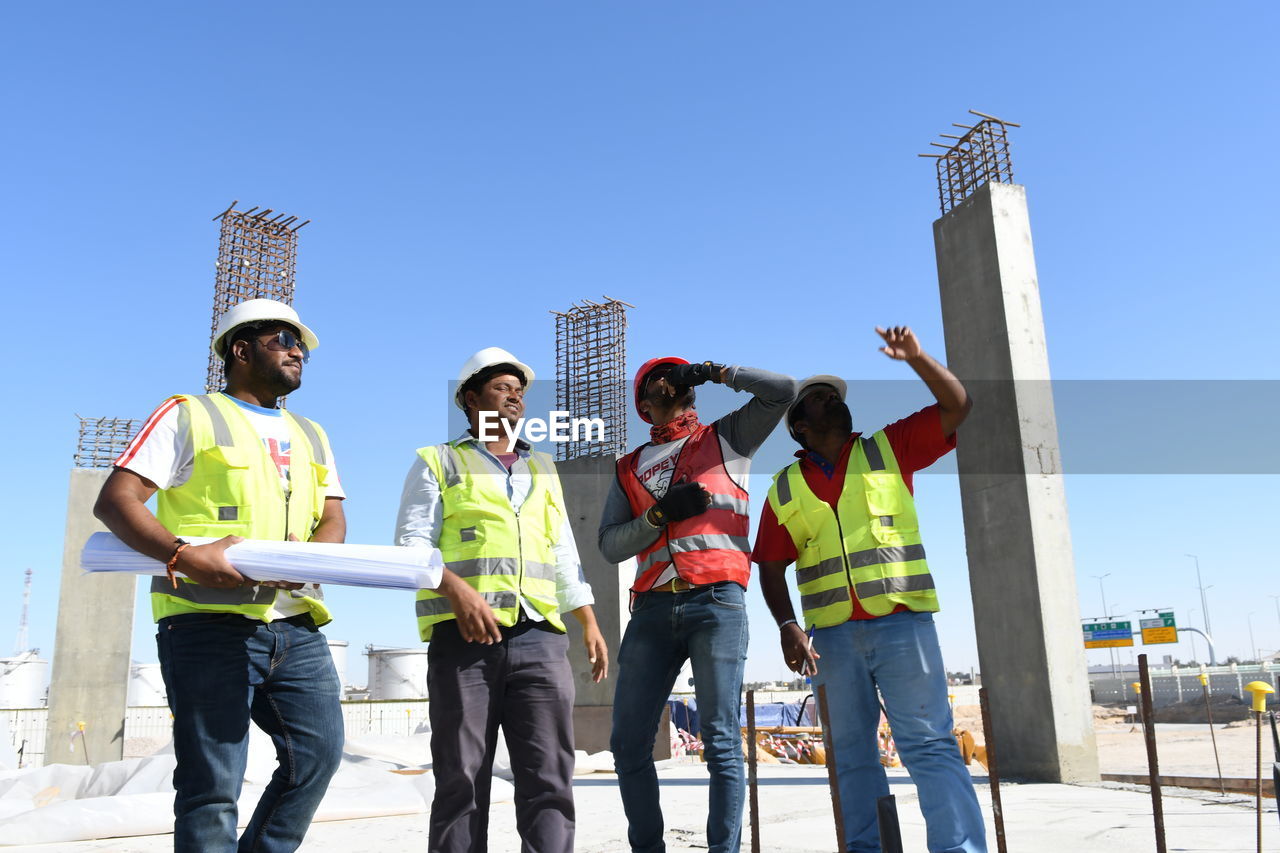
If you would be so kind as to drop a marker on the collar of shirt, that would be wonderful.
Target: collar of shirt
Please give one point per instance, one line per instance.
(826, 466)
(519, 478)
(523, 448)
(250, 407)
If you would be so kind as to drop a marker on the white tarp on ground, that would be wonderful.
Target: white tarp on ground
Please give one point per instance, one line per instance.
(62, 802)
(377, 566)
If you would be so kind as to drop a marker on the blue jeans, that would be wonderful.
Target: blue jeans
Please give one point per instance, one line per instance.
(222, 670)
(898, 654)
(707, 626)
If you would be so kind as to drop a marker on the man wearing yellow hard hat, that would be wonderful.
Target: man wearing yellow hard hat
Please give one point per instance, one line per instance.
(496, 511)
(233, 649)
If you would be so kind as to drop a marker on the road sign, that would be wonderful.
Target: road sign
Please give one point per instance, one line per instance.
(1107, 635)
(1161, 629)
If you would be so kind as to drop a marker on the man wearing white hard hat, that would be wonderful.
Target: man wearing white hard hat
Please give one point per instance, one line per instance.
(845, 514)
(496, 511)
(233, 649)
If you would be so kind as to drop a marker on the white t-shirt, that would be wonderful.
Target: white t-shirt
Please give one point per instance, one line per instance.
(162, 452)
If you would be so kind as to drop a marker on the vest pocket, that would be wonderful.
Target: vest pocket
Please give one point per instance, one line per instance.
(884, 495)
(320, 473)
(221, 473)
(555, 520)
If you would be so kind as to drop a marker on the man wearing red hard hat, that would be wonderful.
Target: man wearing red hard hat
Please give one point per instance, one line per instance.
(679, 506)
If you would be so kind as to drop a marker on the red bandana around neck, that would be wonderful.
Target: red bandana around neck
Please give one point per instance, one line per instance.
(679, 427)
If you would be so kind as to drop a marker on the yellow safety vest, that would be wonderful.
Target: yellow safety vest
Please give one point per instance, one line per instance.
(870, 544)
(504, 553)
(234, 489)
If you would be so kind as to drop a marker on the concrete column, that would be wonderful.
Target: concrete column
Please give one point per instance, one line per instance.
(586, 482)
(1021, 568)
(92, 646)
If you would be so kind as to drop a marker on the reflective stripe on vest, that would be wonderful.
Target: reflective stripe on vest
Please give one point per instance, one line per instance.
(710, 547)
(234, 489)
(440, 606)
(503, 553)
(870, 545)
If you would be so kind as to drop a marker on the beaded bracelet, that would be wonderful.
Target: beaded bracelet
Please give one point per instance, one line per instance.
(173, 562)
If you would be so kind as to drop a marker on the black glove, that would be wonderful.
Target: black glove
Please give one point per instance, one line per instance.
(682, 500)
(689, 375)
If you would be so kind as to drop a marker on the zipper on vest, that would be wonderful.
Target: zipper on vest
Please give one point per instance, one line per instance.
(520, 543)
(844, 555)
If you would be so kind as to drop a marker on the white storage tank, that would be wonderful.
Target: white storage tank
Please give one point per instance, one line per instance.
(338, 648)
(397, 673)
(23, 681)
(146, 686)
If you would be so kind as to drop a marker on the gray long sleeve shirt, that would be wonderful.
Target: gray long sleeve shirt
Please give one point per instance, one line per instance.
(623, 535)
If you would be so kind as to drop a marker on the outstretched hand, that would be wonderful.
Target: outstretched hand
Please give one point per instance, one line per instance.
(900, 343)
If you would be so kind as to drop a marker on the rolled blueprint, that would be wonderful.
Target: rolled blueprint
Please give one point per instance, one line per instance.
(377, 566)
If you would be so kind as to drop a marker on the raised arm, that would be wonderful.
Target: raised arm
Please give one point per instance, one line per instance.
(954, 403)
(746, 428)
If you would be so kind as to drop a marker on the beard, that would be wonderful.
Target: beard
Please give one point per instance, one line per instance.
(283, 381)
(835, 417)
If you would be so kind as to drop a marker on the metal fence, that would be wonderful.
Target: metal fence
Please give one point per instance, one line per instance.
(28, 727)
(1181, 684)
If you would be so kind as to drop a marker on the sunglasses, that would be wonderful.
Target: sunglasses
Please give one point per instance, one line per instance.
(285, 340)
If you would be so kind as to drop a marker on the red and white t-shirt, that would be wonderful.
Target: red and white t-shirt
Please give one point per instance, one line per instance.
(162, 452)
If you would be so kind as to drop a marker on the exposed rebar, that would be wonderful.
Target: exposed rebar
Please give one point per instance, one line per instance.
(257, 259)
(977, 157)
(591, 380)
(102, 440)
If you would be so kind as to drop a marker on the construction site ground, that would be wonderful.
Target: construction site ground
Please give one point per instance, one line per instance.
(795, 808)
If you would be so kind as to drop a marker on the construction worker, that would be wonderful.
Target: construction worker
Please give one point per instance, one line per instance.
(844, 513)
(495, 510)
(679, 506)
(232, 648)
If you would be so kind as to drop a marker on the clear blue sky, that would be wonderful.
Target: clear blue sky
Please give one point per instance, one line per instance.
(745, 174)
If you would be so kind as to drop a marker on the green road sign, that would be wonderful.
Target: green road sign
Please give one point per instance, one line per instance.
(1161, 629)
(1107, 635)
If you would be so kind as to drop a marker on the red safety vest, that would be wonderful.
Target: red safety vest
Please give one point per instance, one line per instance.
(708, 548)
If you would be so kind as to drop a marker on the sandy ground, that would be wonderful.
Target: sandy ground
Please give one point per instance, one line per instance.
(795, 806)
(1184, 749)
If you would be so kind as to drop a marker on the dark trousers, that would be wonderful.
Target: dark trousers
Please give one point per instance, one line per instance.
(524, 685)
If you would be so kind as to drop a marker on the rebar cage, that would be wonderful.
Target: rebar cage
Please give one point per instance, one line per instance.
(257, 259)
(977, 157)
(102, 440)
(591, 368)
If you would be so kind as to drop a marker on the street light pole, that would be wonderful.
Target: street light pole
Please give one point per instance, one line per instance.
(1204, 604)
(1253, 647)
(1103, 593)
(1194, 654)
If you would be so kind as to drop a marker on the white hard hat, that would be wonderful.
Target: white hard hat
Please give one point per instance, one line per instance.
(488, 357)
(255, 311)
(807, 383)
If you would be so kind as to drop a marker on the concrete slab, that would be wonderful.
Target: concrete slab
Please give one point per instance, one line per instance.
(796, 818)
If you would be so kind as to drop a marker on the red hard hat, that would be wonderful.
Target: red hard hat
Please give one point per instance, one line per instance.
(644, 371)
